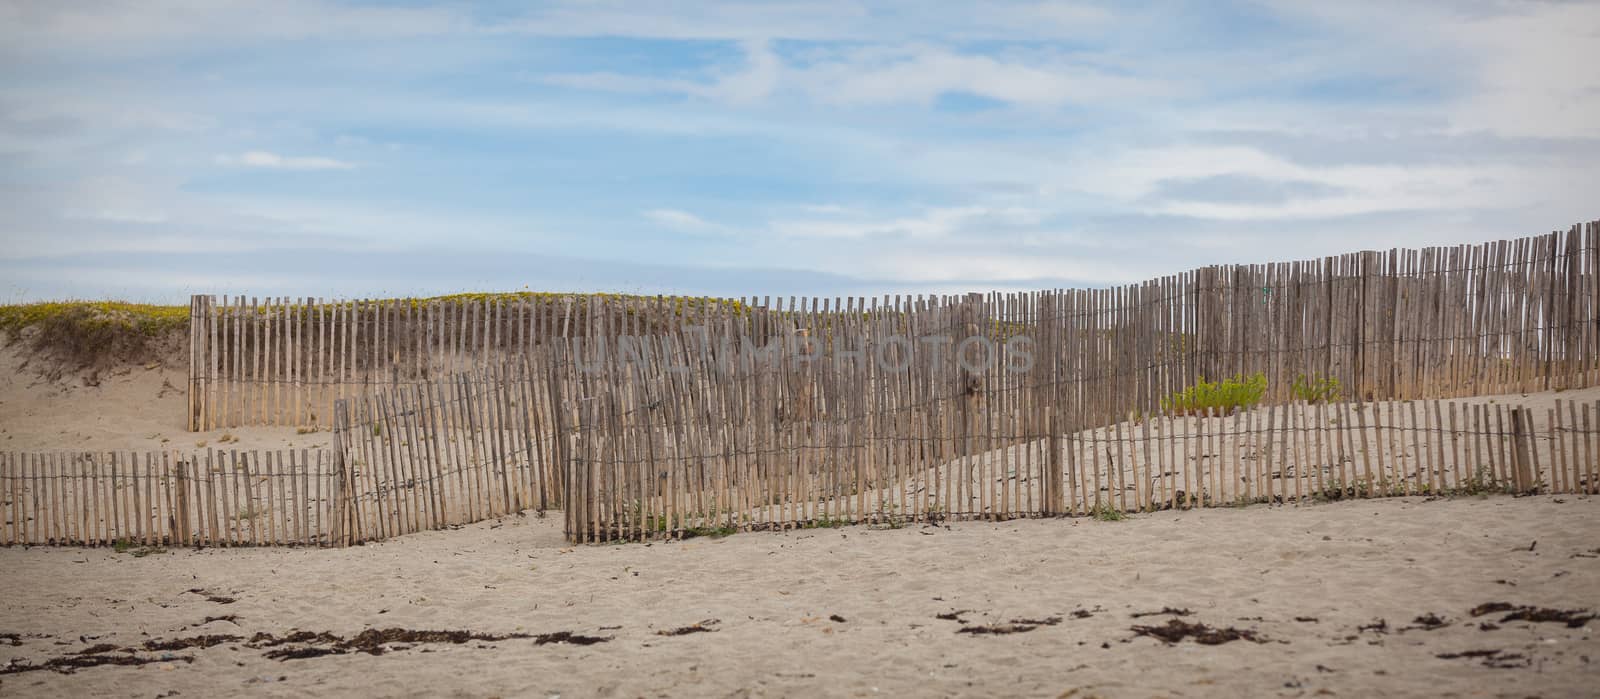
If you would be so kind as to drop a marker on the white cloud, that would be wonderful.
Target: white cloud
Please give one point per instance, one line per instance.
(876, 75)
(117, 23)
(934, 223)
(920, 74)
(1513, 67)
(756, 80)
(948, 265)
(810, 20)
(751, 82)
(273, 161)
(120, 215)
(1538, 76)
(683, 221)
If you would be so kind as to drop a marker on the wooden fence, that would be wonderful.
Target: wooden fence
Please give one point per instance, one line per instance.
(665, 417)
(634, 480)
(460, 449)
(856, 418)
(1444, 322)
(639, 470)
(282, 361)
(215, 498)
(653, 461)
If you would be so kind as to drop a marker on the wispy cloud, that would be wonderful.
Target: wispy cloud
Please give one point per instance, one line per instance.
(925, 225)
(916, 73)
(684, 222)
(921, 74)
(273, 161)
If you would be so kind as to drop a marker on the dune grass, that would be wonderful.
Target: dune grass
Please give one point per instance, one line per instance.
(75, 334)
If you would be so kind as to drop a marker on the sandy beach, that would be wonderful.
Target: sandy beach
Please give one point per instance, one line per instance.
(1344, 599)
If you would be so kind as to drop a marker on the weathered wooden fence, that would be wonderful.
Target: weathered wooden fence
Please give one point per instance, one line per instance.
(640, 471)
(459, 449)
(1506, 316)
(658, 453)
(282, 361)
(214, 498)
(857, 417)
(665, 417)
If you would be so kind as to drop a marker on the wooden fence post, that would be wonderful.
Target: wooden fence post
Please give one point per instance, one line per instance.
(199, 354)
(339, 528)
(1521, 458)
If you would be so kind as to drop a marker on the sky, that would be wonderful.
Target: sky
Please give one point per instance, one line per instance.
(153, 149)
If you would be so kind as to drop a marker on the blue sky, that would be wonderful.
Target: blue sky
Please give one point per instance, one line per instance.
(149, 150)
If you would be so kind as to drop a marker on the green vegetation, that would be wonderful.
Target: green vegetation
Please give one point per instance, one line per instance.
(1224, 397)
(1320, 389)
(1481, 484)
(1243, 500)
(132, 317)
(711, 531)
(824, 522)
(1333, 489)
(79, 334)
(1105, 512)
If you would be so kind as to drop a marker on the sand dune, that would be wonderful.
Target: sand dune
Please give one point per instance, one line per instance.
(127, 408)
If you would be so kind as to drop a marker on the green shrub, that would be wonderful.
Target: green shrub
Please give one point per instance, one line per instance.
(1316, 389)
(1225, 396)
(1106, 512)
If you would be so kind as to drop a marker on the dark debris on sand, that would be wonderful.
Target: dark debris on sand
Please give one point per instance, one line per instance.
(1010, 627)
(1573, 618)
(295, 645)
(301, 653)
(1427, 622)
(219, 599)
(1164, 610)
(569, 637)
(1176, 630)
(1494, 658)
(377, 641)
(68, 664)
(701, 627)
(192, 642)
(263, 639)
(370, 641)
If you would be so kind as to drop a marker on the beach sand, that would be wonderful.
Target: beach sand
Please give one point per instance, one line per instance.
(1304, 579)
